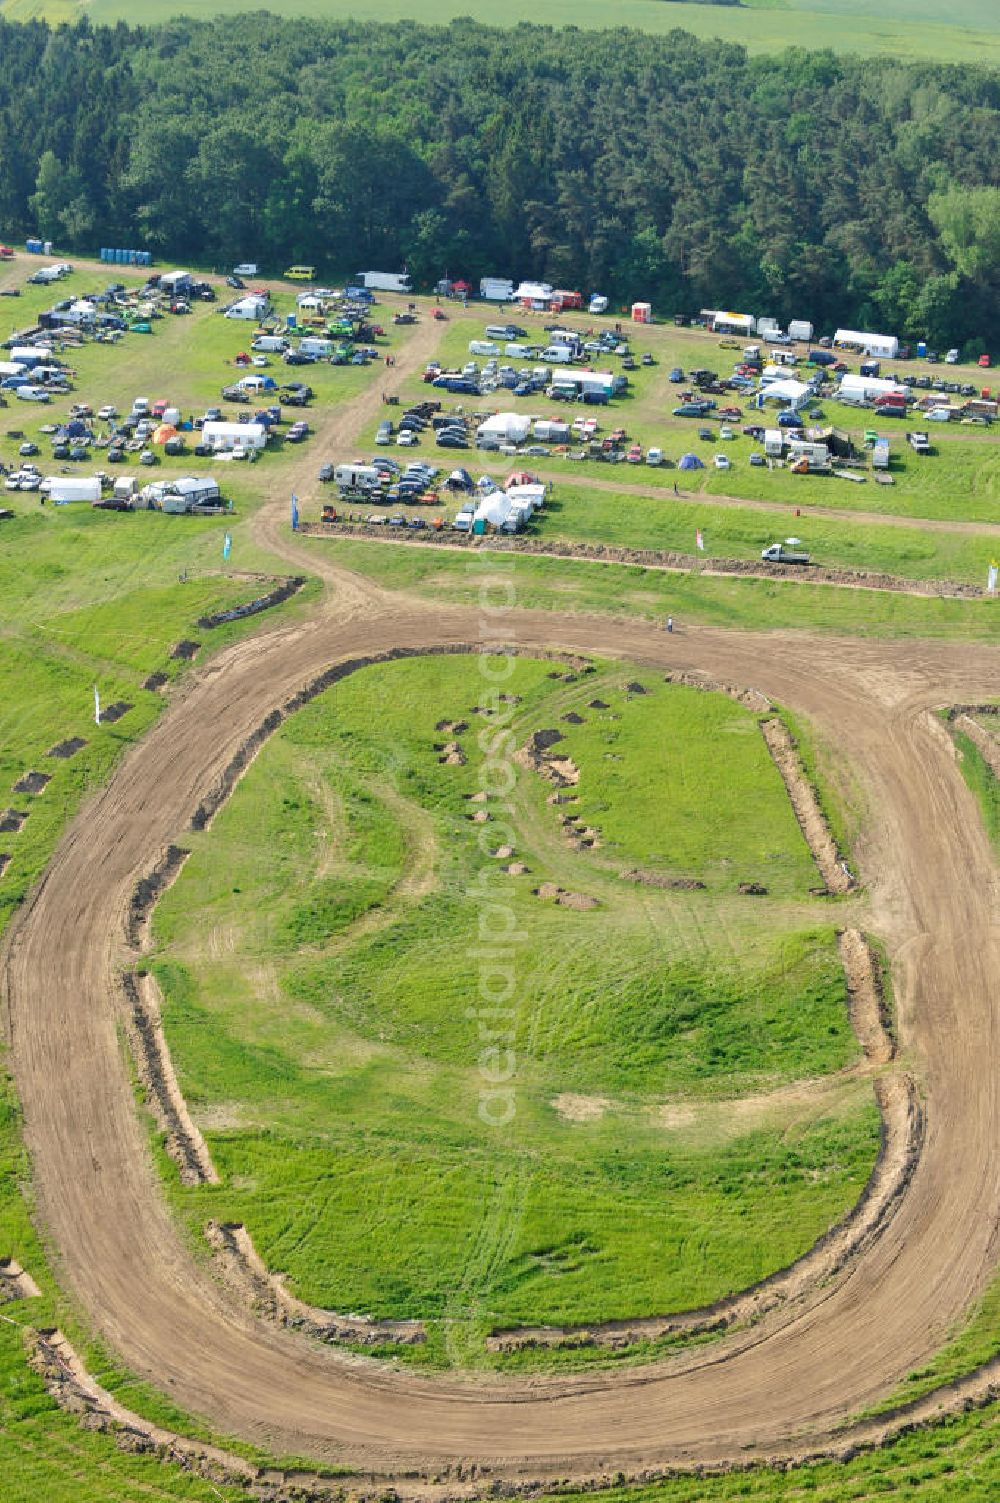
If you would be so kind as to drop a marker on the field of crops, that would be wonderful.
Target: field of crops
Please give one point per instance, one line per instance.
(920, 29)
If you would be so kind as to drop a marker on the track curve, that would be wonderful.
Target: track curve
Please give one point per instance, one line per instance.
(935, 901)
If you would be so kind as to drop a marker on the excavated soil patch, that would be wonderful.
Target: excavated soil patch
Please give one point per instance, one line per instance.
(15, 1282)
(68, 748)
(155, 681)
(115, 712)
(32, 782)
(185, 650)
(580, 1108)
(11, 821)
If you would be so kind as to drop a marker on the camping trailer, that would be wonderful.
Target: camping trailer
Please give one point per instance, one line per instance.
(384, 281)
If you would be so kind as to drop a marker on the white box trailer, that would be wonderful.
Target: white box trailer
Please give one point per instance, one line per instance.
(800, 329)
(65, 488)
(496, 290)
(314, 345)
(384, 281)
(768, 326)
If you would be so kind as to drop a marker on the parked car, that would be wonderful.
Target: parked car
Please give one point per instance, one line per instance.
(235, 281)
(721, 462)
(676, 375)
(384, 434)
(654, 457)
(406, 439)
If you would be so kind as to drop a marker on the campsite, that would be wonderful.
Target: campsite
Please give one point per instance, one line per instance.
(498, 934)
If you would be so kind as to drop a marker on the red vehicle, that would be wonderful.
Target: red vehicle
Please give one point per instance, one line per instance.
(6, 253)
(634, 455)
(984, 361)
(562, 300)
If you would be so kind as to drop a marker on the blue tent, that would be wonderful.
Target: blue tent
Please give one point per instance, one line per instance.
(689, 462)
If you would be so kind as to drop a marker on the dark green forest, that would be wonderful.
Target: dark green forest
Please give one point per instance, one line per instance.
(840, 189)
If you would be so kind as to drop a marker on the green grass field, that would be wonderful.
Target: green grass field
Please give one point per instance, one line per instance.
(919, 29)
(317, 1029)
(317, 1005)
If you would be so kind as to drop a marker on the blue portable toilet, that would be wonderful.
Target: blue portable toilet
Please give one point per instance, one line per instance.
(922, 349)
(290, 321)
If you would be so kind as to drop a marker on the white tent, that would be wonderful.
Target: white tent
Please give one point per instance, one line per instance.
(792, 392)
(885, 346)
(253, 306)
(234, 435)
(534, 292)
(860, 389)
(508, 427)
(494, 509)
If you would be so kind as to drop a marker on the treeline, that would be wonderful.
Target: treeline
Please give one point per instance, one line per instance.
(840, 189)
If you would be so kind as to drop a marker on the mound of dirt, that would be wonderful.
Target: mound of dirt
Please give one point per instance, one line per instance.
(598, 704)
(805, 803)
(579, 900)
(658, 879)
(4, 861)
(751, 699)
(480, 816)
(636, 688)
(184, 650)
(752, 890)
(503, 852)
(453, 727)
(11, 821)
(516, 869)
(572, 718)
(452, 754)
(155, 681)
(562, 771)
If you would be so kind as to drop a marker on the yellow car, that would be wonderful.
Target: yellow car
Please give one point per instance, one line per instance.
(301, 273)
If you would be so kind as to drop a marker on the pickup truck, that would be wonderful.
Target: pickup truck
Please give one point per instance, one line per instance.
(781, 553)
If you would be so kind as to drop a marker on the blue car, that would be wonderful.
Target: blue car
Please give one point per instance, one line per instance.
(790, 420)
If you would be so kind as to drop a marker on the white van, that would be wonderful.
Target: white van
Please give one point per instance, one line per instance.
(518, 351)
(31, 394)
(246, 269)
(313, 345)
(483, 347)
(559, 354)
(270, 344)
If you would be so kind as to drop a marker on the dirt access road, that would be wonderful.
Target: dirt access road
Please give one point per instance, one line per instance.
(778, 1390)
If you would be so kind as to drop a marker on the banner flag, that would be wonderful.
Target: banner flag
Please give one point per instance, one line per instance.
(295, 513)
(97, 706)
(227, 546)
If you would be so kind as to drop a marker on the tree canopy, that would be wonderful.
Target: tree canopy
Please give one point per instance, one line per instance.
(801, 185)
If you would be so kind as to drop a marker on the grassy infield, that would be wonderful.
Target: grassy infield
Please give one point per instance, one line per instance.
(521, 1227)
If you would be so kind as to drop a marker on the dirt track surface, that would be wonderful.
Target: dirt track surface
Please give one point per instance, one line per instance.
(776, 1391)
